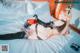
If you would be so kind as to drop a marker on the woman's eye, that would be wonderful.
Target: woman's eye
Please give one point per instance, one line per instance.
(51, 27)
(44, 25)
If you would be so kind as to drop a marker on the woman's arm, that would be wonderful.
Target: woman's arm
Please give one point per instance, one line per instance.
(67, 25)
(65, 28)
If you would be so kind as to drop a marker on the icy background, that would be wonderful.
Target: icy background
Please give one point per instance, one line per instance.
(17, 15)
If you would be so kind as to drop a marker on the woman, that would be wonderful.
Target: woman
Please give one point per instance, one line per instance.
(38, 29)
(13, 27)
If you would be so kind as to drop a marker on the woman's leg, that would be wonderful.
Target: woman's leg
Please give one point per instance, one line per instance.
(19, 35)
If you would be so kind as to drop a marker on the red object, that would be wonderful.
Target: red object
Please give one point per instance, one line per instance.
(32, 21)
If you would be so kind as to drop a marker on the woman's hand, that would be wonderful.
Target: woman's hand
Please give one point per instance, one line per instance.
(67, 20)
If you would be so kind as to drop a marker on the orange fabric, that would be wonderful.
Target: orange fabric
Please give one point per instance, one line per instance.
(31, 21)
(39, 0)
(52, 6)
(60, 7)
(56, 8)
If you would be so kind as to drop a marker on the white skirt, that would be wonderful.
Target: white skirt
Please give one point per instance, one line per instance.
(59, 44)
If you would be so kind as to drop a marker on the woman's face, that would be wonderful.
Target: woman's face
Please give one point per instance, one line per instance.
(43, 32)
(47, 32)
